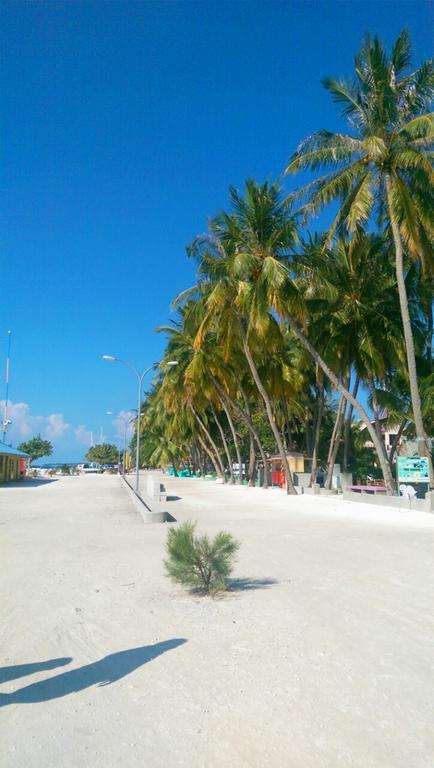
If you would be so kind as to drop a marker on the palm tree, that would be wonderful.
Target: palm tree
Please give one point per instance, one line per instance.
(245, 282)
(350, 294)
(183, 388)
(383, 166)
(242, 265)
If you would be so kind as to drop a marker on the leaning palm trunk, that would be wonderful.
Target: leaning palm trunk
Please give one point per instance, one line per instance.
(246, 417)
(287, 422)
(422, 441)
(277, 436)
(347, 428)
(221, 470)
(429, 339)
(252, 463)
(225, 446)
(210, 455)
(235, 439)
(384, 464)
(376, 410)
(394, 447)
(334, 442)
(318, 422)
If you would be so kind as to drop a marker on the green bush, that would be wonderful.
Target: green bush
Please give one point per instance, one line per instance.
(198, 562)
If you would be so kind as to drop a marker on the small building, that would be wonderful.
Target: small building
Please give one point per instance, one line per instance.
(389, 433)
(295, 463)
(12, 463)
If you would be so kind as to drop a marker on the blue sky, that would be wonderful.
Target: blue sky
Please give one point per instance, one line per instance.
(124, 124)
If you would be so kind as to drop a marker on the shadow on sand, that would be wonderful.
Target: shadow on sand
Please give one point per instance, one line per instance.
(173, 498)
(240, 585)
(21, 670)
(103, 672)
(30, 482)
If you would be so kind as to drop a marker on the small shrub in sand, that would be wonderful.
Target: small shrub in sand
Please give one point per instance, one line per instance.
(198, 562)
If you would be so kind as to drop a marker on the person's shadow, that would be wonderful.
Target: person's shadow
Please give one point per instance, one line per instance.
(106, 671)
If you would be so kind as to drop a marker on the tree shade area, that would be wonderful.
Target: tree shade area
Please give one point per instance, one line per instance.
(286, 327)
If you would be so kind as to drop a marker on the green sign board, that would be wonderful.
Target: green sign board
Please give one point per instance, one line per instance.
(413, 469)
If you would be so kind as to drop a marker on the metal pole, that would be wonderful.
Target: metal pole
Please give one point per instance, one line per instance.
(139, 403)
(125, 447)
(5, 414)
(139, 408)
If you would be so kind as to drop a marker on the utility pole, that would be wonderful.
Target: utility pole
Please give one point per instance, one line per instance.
(5, 411)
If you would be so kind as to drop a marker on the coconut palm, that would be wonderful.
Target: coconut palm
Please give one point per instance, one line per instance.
(350, 293)
(245, 281)
(243, 267)
(383, 166)
(179, 391)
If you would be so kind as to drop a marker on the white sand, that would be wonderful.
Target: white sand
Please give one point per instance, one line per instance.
(325, 660)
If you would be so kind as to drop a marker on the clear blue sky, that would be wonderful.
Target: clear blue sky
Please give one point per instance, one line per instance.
(124, 124)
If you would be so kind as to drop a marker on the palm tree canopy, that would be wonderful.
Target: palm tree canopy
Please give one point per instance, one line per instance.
(391, 135)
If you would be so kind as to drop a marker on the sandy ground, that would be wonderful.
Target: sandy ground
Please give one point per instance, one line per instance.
(320, 657)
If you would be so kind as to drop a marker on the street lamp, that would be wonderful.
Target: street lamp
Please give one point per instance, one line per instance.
(125, 422)
(140, 377)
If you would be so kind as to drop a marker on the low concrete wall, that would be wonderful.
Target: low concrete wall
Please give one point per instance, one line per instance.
(316, 490)
(398, 502)
(301, 479)
(151, 510)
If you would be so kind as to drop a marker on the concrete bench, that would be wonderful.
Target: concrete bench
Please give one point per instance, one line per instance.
(151, 501)
(368, 488)
(155, 490)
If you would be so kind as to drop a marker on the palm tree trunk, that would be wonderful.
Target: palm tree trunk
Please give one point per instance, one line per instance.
(287, 423)
(347, 428)
(235, 439)
(201, 461)
(254, 432)
(277, 436)
(225, 446)
(308, 433)
(385, 468)
(247, 418)
(318, 422)
(334, 442)
(422, 441)
(375, 407)
(252, 462)
(394, 446)
(221, 471)
(210, 456)
(172, 461)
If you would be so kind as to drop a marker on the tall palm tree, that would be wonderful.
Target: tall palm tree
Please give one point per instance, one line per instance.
(245, 281)
(180, 389)
(350, 293)
(242, 264)
(383, 166)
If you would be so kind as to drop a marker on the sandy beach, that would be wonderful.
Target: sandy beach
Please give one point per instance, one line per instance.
(320, 656)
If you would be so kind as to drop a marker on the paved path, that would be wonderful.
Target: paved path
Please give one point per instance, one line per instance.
(321, 657)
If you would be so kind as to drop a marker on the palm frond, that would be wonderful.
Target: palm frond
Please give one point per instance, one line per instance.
(348, 97)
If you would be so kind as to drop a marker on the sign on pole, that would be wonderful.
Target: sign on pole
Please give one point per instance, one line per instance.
(413, 469)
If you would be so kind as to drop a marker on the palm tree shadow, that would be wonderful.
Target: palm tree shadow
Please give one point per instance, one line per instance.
(108, 670)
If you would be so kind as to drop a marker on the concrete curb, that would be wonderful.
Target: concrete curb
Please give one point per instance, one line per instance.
(398, 502)
(150, 513)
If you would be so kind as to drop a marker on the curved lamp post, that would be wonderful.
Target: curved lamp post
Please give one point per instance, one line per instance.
(140, 377)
